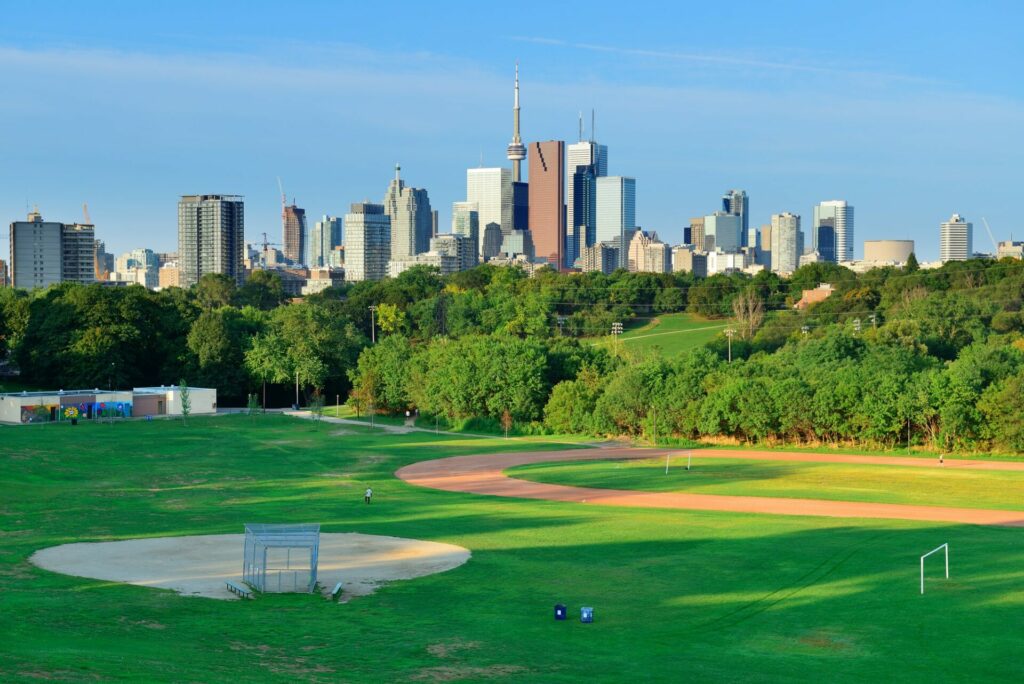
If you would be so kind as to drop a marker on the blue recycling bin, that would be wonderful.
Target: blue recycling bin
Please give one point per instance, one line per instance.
(560, 612)
(586, 614)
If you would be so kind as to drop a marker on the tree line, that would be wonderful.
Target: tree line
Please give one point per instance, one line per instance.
(894, 355)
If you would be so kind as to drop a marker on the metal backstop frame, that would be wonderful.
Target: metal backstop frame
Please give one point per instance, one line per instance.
(263, 542)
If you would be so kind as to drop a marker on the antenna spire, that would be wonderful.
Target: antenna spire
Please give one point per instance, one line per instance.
(516, 150)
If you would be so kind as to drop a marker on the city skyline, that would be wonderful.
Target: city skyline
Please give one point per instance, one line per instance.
(687, 123)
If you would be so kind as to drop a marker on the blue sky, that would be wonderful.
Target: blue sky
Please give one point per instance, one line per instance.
(909, 110)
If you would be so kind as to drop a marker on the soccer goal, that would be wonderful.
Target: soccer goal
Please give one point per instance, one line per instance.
(944, 547)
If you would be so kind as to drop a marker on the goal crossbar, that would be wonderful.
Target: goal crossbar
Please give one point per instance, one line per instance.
(935, 550)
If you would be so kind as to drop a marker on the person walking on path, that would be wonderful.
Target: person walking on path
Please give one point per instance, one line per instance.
(368, 495)
(942, 459)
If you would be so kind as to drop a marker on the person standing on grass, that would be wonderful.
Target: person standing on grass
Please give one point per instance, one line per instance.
(941, 459)
(368, 495)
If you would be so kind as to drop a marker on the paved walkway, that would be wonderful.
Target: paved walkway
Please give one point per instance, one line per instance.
(484, 474)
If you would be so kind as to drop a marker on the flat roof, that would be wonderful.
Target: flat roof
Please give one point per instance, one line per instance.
(96, 392)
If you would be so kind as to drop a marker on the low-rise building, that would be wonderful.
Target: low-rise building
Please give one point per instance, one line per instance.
(687, 259)
(65, 405)
(727, 262)
(818, 294)
(1010, 250)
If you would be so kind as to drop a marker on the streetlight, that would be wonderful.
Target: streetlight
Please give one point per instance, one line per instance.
(729, 332)
(373, 333)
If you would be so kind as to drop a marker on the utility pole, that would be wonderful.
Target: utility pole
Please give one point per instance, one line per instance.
(874, 320)
(805, 329)
(729, 333)
(373, 333)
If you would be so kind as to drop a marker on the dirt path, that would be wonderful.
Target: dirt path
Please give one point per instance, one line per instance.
(484, 474)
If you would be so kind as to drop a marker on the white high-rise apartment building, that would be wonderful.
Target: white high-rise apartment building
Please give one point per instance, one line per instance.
(956, 239)
(723, 231)
(616, 212)
(466, 222)
(785, 242)
(838, 215)
(583, 153)
(367, 242)
(326, 235)
(491, 190)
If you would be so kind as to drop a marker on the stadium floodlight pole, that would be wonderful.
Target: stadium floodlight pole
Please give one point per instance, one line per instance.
(729, 333)
(373, 333)
(616, 331)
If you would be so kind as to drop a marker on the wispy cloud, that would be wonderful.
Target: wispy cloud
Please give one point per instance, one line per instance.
(726, 60)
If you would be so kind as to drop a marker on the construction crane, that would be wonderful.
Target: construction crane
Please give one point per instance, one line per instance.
(991, 237)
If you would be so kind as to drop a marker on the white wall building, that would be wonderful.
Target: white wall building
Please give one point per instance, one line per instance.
(956, 239)
(367, 242)
(616, 212)
(838, 215)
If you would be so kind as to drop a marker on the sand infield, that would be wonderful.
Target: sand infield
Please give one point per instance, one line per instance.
(200, 565)
(484, 474)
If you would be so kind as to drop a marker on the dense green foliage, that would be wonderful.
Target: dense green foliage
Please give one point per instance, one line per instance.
(894, 356)
(720, 597)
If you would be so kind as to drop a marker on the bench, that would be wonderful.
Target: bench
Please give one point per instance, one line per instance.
(239, 590)
(336, 591)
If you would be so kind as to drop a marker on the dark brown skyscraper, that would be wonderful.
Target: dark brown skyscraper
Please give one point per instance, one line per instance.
(293, 221)
(547, 200)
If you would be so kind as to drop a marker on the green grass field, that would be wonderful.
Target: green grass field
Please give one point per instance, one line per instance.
(678, 596)
(829, 481)
(670, 334)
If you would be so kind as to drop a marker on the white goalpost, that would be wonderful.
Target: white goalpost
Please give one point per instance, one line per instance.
(689, 455)
(935, 550)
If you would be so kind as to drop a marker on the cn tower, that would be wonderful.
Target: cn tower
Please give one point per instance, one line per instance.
(516, 149)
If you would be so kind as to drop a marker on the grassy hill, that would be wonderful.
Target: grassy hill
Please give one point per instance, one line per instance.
(670, 334)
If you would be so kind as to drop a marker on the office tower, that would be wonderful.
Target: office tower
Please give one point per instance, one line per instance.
(516, 150)
(785, 242)
(764, 255)
(723, 231)
(490, 246)
(687, 259)
(648, 254)
(293, 228)
(519, 243)
(581, 230)
(735, 202)
(411, 218)
(140, 266)
(211, 237)
(466, 222)
(367, 242)
(547, 201)
(956, 239)
(433, 223)
(3, 273)
(694, 234)
(520, 206)
(616, 212)
(832, 231)
(491, 191)
(457, 245)
(325, 236)
(583, 153)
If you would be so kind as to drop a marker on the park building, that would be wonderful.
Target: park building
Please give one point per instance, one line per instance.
(96, 404)
(45, 253)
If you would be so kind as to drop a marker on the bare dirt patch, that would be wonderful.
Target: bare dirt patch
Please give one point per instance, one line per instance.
(200, 565)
